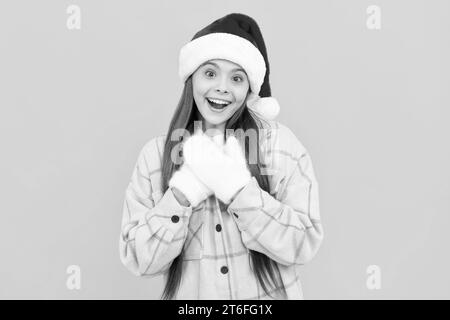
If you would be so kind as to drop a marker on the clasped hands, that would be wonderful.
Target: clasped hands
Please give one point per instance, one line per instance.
(211, 167)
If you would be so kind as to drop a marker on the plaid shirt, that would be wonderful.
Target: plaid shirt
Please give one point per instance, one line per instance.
(284, 224)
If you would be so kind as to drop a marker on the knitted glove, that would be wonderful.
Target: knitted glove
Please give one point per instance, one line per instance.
(223, 170)
(192, 188)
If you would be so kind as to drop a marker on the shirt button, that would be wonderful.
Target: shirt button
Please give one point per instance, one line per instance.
(235, 215)
(218, 227)
(224, 269)
(175, 218)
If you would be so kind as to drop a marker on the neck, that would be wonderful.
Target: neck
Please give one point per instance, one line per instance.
(213, 130)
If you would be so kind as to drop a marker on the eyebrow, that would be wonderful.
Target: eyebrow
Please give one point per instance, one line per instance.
(215, 64)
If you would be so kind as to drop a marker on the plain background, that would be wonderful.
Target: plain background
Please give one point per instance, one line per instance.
(371, 106)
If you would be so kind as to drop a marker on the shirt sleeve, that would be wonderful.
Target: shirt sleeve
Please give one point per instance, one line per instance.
(154, 227)
(287, 228)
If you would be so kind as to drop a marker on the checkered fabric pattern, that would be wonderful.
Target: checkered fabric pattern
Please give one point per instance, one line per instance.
(284, 224)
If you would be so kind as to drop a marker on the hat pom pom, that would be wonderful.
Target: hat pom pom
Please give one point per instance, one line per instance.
(266, 107)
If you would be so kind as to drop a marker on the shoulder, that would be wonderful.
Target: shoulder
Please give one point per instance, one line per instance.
(283, 154)
(152, 151)
(277, 137)
(154, 143)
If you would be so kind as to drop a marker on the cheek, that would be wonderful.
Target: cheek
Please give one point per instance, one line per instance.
(239, 101)
(241, 94)
(235, 108)
(199, 86)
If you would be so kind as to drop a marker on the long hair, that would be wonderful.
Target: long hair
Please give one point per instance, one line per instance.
(265, 269)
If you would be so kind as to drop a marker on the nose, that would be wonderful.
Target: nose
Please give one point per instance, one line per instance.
(222, 86)
(220, 90)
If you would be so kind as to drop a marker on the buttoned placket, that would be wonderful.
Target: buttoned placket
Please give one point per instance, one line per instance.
(225, 247)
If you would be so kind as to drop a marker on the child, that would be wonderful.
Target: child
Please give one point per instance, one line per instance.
(220, 218)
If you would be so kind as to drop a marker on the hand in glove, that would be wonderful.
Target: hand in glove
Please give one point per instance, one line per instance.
(223, 170)
(189, 185)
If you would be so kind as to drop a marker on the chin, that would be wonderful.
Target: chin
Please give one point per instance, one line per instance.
(215, 118)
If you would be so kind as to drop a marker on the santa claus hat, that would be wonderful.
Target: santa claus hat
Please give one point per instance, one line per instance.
(237, 38)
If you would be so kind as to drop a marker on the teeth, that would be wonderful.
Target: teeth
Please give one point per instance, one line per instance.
(219, 101)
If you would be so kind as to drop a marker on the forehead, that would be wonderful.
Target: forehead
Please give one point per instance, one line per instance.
(224, 65)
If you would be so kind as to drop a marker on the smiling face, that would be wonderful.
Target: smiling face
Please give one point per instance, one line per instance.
(220, 87)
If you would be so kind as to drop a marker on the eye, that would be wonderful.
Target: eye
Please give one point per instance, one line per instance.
(209, 73)
(238, 78)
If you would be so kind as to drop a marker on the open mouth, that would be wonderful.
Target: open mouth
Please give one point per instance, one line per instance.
(218, 104)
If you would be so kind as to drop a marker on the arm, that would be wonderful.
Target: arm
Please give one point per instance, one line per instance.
(151, 234)
(286, 228)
